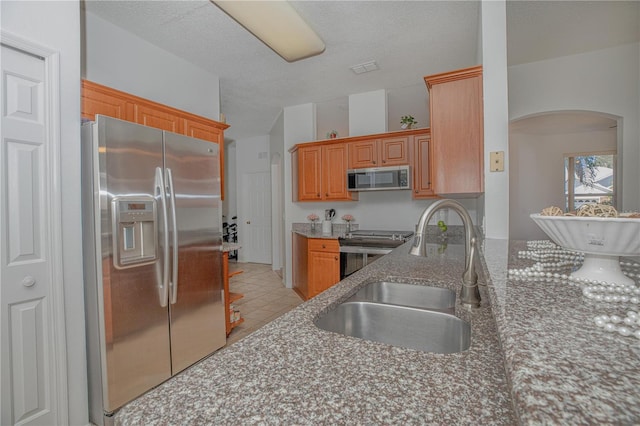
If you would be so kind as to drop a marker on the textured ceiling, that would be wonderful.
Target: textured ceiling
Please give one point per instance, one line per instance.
(408, 39)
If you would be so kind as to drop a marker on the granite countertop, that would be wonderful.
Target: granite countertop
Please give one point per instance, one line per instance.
(562, 368)
(291, 372)
(535, 358)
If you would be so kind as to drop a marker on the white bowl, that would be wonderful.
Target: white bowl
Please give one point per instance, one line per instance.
(601, 239)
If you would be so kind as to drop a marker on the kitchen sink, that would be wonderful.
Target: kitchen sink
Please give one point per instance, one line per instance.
(413, 295)
(402, 326)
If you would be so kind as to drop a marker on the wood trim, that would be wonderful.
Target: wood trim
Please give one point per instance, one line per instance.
(86, 84)
(460, 74)
(361, 138)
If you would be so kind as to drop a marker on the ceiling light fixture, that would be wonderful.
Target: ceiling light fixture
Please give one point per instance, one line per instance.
(366, 67)
(276, 24)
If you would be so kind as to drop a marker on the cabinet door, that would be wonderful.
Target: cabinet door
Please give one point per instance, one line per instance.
(309, 174)
(324, 265)
(152, 116)
(363, 154)
(100, 100)
(394, 151)
(334, 172)
(422, 180)
(457, 134)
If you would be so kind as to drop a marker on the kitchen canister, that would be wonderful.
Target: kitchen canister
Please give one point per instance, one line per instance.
(326, 227)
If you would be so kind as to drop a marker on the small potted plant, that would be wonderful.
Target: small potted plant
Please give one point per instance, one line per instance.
(407, 122)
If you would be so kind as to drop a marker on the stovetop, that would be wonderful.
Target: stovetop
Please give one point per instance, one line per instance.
(375, 238)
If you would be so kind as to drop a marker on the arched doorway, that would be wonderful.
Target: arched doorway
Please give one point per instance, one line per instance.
(539, 147)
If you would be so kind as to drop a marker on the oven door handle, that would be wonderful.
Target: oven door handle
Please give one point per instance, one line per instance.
(365, 250)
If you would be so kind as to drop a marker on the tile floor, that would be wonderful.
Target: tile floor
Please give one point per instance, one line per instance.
(265, 297)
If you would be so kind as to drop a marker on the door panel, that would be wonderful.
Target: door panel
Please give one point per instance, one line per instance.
(135, 324)
(27, 349)
(256, 229)
(197, 316)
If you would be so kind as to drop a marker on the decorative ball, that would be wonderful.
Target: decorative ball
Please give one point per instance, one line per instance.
(598, 210)
(552, 211)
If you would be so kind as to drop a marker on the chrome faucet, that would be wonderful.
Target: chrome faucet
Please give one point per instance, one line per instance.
(469, 294)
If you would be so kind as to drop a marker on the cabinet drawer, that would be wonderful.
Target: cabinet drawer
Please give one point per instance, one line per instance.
(324, 244)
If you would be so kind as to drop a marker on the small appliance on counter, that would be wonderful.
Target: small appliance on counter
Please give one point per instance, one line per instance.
(329, 214)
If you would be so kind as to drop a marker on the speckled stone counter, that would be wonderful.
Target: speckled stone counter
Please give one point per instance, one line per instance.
(536, 358)
(561, 367)
(291, 372)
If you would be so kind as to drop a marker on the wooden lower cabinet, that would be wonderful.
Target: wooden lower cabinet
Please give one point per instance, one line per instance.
(316, 265)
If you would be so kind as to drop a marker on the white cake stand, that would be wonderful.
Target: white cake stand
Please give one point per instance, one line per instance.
(602, 240)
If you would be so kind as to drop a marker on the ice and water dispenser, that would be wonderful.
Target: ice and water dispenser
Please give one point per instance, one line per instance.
(135, 231)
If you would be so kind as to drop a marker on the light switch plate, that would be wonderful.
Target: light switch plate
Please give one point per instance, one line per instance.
(496, 159)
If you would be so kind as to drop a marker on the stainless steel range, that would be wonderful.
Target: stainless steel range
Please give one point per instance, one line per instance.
(361, 247)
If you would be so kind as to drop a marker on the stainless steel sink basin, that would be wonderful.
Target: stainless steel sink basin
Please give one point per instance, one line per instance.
(417, 296)
(402, 326)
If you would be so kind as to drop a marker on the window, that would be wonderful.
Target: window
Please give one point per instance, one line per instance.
(589, 178)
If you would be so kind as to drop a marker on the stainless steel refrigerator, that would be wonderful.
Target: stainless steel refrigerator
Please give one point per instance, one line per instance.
(153, 271)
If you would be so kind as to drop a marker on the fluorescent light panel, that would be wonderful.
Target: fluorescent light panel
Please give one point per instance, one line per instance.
(276, 24)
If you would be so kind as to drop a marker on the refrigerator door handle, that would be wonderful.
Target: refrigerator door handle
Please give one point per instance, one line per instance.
(163, 290)
(174, 225)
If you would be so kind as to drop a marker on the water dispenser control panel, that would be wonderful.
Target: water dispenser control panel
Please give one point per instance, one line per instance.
(135, 231)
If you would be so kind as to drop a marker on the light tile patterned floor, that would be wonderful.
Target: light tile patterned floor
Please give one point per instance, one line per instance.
(265, 297)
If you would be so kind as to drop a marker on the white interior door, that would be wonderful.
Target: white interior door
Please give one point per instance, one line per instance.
(30, 384)
(255, 231)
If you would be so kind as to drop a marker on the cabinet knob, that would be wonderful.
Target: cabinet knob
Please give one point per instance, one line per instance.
(318, 195)
(384, 161)
(324, 246)
(336, 258)
(374, 161)
(326, 195)
(416, 191)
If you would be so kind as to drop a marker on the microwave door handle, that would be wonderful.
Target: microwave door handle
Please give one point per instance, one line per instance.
(163, 288)
(174, 226)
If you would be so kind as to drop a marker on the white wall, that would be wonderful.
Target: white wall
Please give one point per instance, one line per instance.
(230, 203)
(606, 81)
(368, 113)
(56, 25)
(254, 157)
(496, 117)
(537, 174)
(299, 126)
(119, 59)
(276, 149)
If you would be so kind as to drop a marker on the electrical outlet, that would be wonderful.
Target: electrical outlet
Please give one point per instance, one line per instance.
(496, 160)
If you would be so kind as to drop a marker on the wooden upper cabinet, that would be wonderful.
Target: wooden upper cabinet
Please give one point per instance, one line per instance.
(456, 112)
(422, 166)
(334, 172)
(363, 154)
(309, 170)
(320, 173)
(380, 152)
(394, 151)
(98, 99)
(157, 117)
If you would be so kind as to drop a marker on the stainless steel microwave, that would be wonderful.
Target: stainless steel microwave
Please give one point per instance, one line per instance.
(379, 178)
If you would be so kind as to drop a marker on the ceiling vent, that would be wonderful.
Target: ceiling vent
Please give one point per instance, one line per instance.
(366, 67)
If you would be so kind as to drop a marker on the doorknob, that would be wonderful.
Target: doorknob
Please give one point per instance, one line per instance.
(248, 222)
(28, 281)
